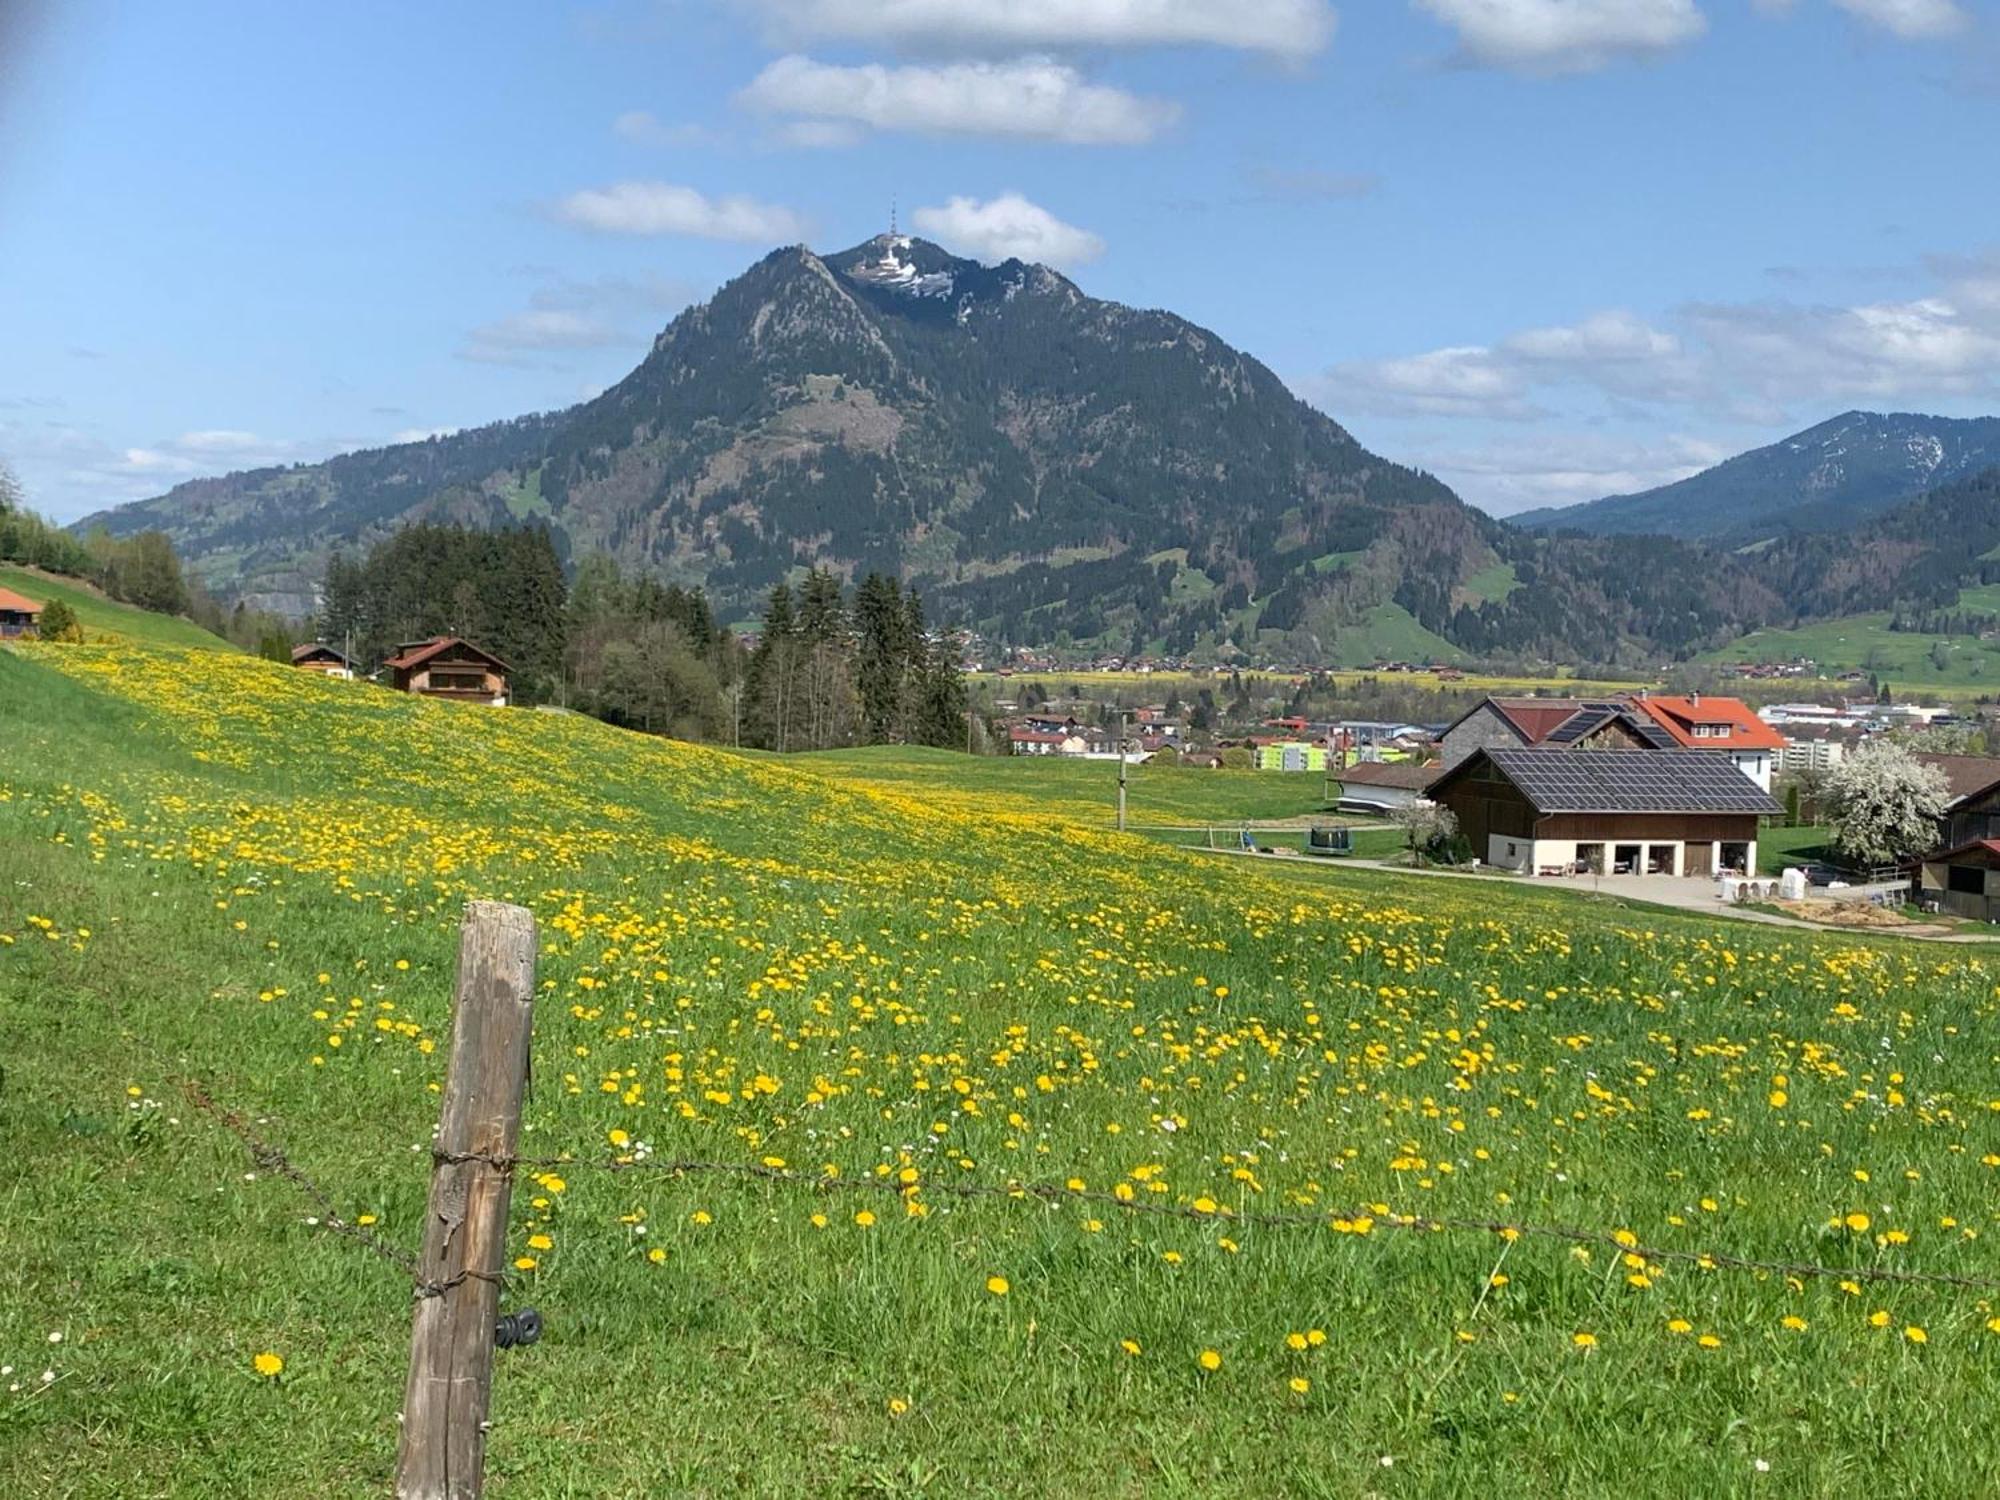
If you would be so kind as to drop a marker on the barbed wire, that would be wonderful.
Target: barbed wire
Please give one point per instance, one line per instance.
(1359, 1222)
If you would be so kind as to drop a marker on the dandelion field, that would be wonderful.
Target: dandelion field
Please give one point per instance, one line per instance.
(219, 869)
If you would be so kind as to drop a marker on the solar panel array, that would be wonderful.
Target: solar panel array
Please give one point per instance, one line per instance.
(1594, 716)
(1632, 781)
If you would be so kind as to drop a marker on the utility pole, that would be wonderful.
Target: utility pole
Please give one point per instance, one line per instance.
(1121, 772)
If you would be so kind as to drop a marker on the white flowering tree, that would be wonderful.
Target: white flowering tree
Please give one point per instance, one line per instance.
(1427, 827)
(1884, 804)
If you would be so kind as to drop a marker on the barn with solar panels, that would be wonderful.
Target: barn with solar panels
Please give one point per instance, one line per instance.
(1608, 812)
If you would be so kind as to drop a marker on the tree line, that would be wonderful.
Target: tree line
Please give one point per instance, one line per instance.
(827, 667)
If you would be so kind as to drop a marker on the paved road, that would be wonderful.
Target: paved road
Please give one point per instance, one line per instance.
(1680, 892)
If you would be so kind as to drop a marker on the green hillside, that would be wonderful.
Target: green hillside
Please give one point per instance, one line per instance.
(1865, 642)
(958, 1150)
(101, 616)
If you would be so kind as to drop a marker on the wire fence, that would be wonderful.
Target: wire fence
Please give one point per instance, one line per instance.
(273, 1159)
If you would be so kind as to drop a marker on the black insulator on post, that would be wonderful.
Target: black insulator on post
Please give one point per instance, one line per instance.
(517, 1329)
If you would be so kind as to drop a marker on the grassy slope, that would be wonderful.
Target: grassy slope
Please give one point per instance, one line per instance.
(1866, 641)
(217, 867)
(1078, 791)
(102, 616)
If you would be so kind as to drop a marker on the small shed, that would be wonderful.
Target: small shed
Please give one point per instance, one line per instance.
(1382, 786)
(19, 615)
(448, 667)
(1964, 881)
(322, 658)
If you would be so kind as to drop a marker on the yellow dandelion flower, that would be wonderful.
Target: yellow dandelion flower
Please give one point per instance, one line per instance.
(1131, 1346)
(864, 1218)
(1210, 1360)
(657, 1256)
(998, 1285)
(1916, 1335)
(1300, 1385)
(1584, 1340)
(267, 1364)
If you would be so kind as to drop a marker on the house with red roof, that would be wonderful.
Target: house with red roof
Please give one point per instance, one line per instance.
(1701, 721)
(19, 615)
(447, 667)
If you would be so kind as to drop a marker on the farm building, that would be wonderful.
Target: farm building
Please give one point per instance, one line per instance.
(447, 667)
(322, 658)
(1964, 881)
(1611, 812)
(1972, 787)
(19, 615)
(1505, 724)
(1380, 786)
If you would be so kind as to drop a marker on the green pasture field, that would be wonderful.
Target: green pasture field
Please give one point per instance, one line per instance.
(1083, 792)
(1354, 1099)
(100, 616)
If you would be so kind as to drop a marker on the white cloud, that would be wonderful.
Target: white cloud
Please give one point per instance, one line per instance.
(1464, 381)
(1284, 28)
(1031, 98)
(1008, 226)
(1755, 361)
(577, 314)
(1913, 20)
(221, 440)
(1562, 468)
(657, 208)
(644, 128)
(1566, 36)
(538, 330)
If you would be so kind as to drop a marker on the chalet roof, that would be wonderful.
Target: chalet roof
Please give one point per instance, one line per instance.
(1389, 773)
(319, 648)
(1592, 717)
(1621, 781)
(1531, 718)
(415, 655)
(18, 604)
(1964, 775)
(1743, 730)
(1988, 848)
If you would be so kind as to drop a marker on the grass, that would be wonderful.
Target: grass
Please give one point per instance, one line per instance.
(1068, 791)
(1778, 847)
(1390, 632)
(100, 616)
(1865, 641)
(219, 868)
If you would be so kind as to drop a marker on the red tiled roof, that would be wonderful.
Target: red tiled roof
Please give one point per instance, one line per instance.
(18, 604)
(1401, 773)
(1743, 729)
(415, 656)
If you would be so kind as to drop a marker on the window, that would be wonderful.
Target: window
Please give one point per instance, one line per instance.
(1966, 880)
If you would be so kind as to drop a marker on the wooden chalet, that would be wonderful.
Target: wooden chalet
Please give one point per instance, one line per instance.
(1607, 812)
(447, 667)
(319, 657)
(19, 615)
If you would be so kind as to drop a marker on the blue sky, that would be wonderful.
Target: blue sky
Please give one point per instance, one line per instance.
(1550, 249)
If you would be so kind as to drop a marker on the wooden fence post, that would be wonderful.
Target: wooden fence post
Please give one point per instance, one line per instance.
(443, 1449)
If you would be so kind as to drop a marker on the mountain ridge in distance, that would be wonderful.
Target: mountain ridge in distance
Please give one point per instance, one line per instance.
(1048, 467)
(1833, 476)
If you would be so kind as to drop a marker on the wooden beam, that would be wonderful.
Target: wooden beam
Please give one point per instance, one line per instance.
(443, 1449)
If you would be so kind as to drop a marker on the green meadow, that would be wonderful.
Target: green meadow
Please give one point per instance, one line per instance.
(1343, 1183)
